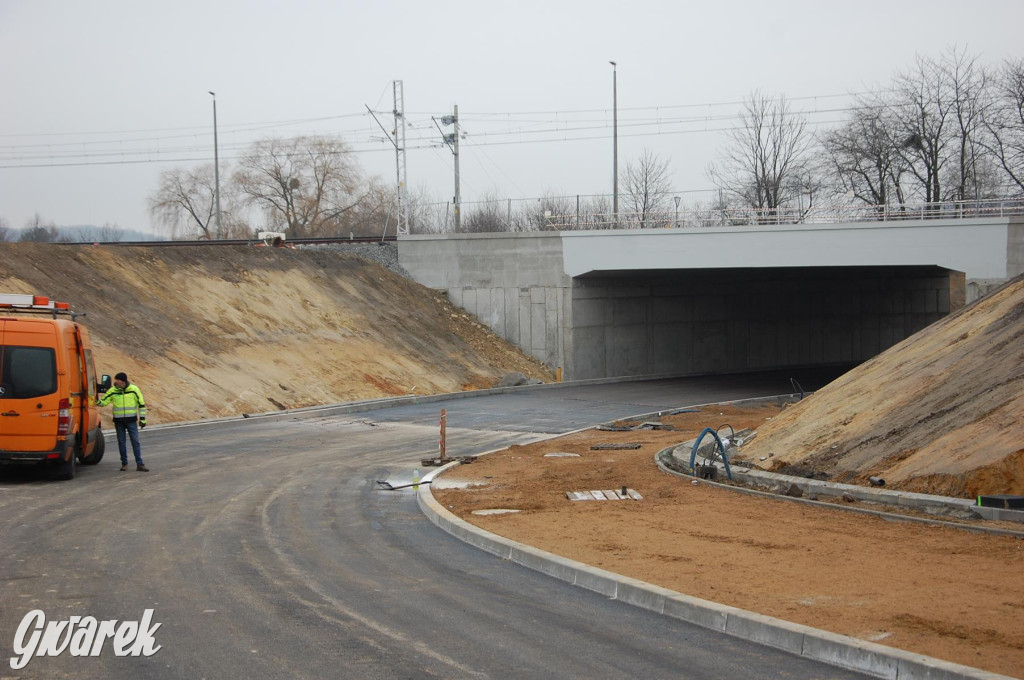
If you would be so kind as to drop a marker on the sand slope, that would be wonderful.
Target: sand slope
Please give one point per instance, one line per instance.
(941, 412)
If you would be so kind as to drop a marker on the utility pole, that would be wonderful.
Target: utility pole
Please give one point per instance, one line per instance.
(452, 141)
(615, 141)
(403, 199)
(216, 165)
(458, 192)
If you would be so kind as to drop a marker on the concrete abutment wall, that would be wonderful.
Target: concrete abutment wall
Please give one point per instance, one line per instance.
(514, 283)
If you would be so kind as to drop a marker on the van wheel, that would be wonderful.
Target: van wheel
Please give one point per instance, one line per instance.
(66, 470)
(97, 451)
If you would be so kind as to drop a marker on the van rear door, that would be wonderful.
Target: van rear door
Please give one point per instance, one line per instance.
(29, 398)
(85, 404)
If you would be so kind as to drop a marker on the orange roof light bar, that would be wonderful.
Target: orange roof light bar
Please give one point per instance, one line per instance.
(31, 302)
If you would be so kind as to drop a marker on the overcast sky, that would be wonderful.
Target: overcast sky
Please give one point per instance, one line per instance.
(98, 97)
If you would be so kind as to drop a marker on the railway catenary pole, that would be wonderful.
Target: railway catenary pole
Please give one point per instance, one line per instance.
(400, 169)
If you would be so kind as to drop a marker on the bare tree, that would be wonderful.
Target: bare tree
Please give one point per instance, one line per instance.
(487, 215)
(427, 214)
(306, 183)
(940, 108)
(5, 230)
(549, 213)
(968, 82)
(861, 157)
(647, 186)
(1005, 122)
(766, 157)
(373, 215)
(111, 233)
(923, 115)
(596, 213)
(38, 231)
(185, 202)
(83, 235)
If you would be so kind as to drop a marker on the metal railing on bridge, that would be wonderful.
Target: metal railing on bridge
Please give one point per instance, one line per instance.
(581, 219)
(743, 217)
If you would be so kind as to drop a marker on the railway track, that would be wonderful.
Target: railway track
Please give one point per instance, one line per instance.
(234, 242)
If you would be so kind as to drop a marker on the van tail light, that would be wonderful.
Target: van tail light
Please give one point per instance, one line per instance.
(64, 418)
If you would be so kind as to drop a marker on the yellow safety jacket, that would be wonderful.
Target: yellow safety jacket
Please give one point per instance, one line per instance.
(129, 403)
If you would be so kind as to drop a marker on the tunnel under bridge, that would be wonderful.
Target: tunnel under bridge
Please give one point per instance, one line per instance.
(682, 301)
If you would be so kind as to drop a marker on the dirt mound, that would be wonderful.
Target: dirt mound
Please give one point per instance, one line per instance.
(210, 332)
(941, 412)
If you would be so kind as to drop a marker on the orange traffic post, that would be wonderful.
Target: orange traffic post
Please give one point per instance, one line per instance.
(442, 444)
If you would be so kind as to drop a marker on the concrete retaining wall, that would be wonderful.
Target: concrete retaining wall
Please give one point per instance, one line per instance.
(514, 283)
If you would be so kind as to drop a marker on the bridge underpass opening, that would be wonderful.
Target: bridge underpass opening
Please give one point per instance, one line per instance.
(696, 321)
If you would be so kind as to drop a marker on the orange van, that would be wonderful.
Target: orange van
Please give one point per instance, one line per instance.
(48, 411)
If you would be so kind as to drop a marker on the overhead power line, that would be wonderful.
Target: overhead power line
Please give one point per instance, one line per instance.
(236, 127)
(702, 105)
(541, 127)
(5, 164)
(263, 125)
(159, 156)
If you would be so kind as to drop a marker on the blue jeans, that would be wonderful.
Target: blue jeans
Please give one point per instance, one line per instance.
(132, 427)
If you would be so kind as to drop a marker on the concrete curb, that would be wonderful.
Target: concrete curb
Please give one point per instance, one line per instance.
(862, 493)
(819, 645)
(920, 501)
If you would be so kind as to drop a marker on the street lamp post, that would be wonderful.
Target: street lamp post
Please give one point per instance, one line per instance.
(615, 141)
(677, 199)
(216, 165)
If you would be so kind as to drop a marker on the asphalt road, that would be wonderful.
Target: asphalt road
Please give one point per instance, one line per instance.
(266, 551)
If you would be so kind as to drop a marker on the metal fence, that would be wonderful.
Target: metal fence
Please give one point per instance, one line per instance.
(567, 213)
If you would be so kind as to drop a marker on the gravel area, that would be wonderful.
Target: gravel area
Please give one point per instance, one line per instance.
(383, 253)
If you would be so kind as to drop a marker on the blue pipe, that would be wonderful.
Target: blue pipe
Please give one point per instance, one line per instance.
(696, 445)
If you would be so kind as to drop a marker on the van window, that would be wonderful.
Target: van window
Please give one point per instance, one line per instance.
(90, 373)
(27, 372)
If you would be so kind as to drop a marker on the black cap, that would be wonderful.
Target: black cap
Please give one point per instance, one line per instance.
(121, 376)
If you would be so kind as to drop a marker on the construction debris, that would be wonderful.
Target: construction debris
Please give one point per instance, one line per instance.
(615, 447)
(623, 494)
(681, 410)
(388, 486)
(649, 425)
(437, 462)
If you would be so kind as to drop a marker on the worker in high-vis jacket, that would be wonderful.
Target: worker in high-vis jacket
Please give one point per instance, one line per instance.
(129, 416)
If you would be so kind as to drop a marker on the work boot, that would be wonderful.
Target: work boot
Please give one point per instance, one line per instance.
(142, 468)
(124, 466)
